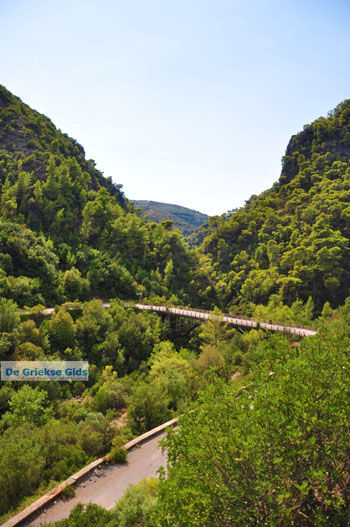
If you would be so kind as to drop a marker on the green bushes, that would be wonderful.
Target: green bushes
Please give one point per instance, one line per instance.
(46, 452)
(111, 398)
(135, 509)
(137, 506)
(118, 453)
(21, 464)
(61, 331)
(68, 492)
(27, 405)
(149, 407)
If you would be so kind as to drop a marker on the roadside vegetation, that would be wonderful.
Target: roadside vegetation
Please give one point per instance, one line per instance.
(141, 375)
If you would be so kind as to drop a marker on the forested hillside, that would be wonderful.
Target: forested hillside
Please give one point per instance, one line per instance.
(66, 232)
(292, 241)
(28, 139)
(184, 219)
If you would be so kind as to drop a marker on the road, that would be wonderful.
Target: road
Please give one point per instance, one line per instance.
(143, 462)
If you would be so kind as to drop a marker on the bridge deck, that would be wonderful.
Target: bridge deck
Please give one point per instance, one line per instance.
(205, 315)
(235, 321)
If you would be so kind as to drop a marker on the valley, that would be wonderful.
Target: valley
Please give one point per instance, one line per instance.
(209, 329)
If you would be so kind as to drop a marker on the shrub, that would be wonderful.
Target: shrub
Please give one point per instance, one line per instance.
(68, 492)
(118, 454)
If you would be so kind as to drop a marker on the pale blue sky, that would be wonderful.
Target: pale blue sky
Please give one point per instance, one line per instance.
(188, 102)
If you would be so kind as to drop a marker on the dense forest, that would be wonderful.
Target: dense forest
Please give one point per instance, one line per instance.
(263, 437)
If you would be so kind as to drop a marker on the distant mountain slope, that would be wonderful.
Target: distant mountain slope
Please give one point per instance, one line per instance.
(186, 220)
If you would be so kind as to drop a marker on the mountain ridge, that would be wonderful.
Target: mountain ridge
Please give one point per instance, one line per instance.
(31, 137)
(185, 219)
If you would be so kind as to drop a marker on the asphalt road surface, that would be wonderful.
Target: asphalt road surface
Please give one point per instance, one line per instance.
(143, 462)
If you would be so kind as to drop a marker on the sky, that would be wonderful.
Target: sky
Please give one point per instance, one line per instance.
(190, 102)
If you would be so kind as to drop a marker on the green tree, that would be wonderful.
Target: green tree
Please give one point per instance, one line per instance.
(137, 506)
(90, 515)
(21, 464)
(148, 407)
(74, 286)
(172, 371)
(214, 331)
(28, 405)
(61, 331)
(9, 315)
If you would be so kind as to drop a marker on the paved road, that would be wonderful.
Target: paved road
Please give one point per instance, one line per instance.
(143, 462)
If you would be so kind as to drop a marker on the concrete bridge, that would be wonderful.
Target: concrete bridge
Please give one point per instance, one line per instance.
(201, 315)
